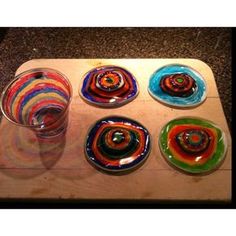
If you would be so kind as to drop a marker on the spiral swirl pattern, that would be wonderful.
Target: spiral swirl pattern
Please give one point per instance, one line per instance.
(117, 143)
(109, 86)
(193, 140)
(180, 85)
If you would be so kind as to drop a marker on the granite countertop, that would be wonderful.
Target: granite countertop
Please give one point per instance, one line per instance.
(211, 45)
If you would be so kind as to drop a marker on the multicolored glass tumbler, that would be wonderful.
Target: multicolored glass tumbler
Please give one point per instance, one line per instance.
(38, 99)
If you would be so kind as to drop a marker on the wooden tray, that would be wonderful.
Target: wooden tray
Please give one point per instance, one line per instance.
(63, 172)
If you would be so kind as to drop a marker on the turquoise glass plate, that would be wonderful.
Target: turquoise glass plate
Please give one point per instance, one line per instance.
(177, 85)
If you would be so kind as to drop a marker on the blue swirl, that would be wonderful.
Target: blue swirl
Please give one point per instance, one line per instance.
(196, 98)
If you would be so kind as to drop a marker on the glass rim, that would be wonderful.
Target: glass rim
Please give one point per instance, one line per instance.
(38, 69)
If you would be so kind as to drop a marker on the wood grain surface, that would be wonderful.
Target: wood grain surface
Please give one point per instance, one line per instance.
(30, 169)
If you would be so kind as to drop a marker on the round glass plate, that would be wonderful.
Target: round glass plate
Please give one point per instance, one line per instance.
(178, 86)
(117, 143)
(109, 86)
(193, 144)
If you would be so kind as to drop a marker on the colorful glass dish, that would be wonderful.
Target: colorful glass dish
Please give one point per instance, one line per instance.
(117, 143)
(108, 86)
(177, 85)
(193, 144)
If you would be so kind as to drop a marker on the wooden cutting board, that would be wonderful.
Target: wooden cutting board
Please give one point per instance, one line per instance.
(29, 169)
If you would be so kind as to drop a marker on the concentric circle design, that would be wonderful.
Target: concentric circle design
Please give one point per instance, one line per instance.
(192, 144)
(109, 86)
(193, 140)
(177, 85)
(117, 143)
(180, 85)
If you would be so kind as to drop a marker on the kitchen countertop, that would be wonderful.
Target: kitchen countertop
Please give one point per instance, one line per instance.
(211, 45)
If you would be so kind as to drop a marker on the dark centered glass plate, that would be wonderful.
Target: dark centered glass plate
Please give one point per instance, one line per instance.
(117, 144)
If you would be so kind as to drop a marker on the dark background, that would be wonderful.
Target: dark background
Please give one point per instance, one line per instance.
(211, 45)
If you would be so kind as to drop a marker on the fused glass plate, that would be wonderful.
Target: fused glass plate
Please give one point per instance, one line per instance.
(117, 144)
(109, 86)
(177, 85)
(193, 144)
